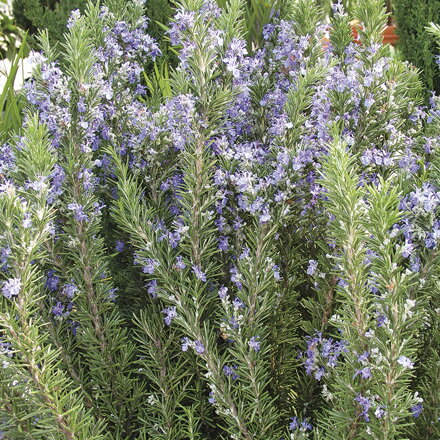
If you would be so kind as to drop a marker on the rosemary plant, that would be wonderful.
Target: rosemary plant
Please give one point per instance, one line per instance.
(252, 254)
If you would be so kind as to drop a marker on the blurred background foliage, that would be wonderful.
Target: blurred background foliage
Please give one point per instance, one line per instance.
(416, 44)
(33, 15)
(10, 34)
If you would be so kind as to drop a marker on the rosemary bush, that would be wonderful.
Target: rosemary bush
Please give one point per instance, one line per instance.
(252, 257)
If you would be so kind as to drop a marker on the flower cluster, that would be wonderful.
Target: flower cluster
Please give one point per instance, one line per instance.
(322, 354)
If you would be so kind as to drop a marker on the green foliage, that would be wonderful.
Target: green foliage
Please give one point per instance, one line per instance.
(34, 15)
(258, 13)
(159, 13)
(222, 185)
(416, 45)
(10, 33)
(50, 406)
(11, 103)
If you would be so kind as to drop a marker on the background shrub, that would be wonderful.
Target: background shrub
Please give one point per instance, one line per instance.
(52, 15)
(33, 15)
(416, 45)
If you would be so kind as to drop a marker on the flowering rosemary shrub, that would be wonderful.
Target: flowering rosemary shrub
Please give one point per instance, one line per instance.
(254, 257)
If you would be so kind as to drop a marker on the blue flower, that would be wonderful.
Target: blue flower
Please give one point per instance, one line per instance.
(312, 267)
(211, 398)
(120, 245)
(58, 310)
(416, 410)
(223, 291)
(180, 263)
(11, 287)
(303, 426)
(254, 343)
(238, 303)
(185, 343)
(199, 347)
(405, 362)
(170, 313)
(365, 404)
(230, 371)
(4, 255)
(380, 411)
(52, 280)
(319, 373)
(407, 249)
(223, 244)
(364, 372)
(199, 274)
(69, 290)
(149, 266)
(78, 211)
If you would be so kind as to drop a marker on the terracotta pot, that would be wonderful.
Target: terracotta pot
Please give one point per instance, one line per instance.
(389, 35)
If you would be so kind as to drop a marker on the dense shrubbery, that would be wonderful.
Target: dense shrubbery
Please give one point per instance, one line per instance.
(417, 45)
(34, 15)
(254, 257)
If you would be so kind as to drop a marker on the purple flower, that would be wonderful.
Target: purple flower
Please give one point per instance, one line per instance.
(11, 287)
(180, 263)
(120, 245)
(268, 29)
(223, 291)
(230, 371)
(199, 347)
(415, 263)
(185, 344)
(149, 266)
(364, 372)
(312, 267)
(319, 373)
(87, 178)
(381, 320)
(363, 357)
(170, 313)
(234, 323)
(416, 410)
(405, 362)
(199, 274)
(27, 222)
(58, 310)
(211, 398)
(380, 412)
(69, 290)
(52, 280)
(238, 303)
(294, 424)
(57, 179)
(303, 426)
(276, 272)
(82, 107)
(265, 216)
(236, 277)
(407, 249)
(74, 16)
(223, 244)
(78, 211)
(365, 404)
(254, 343)
(4, 255)
(152, 288)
